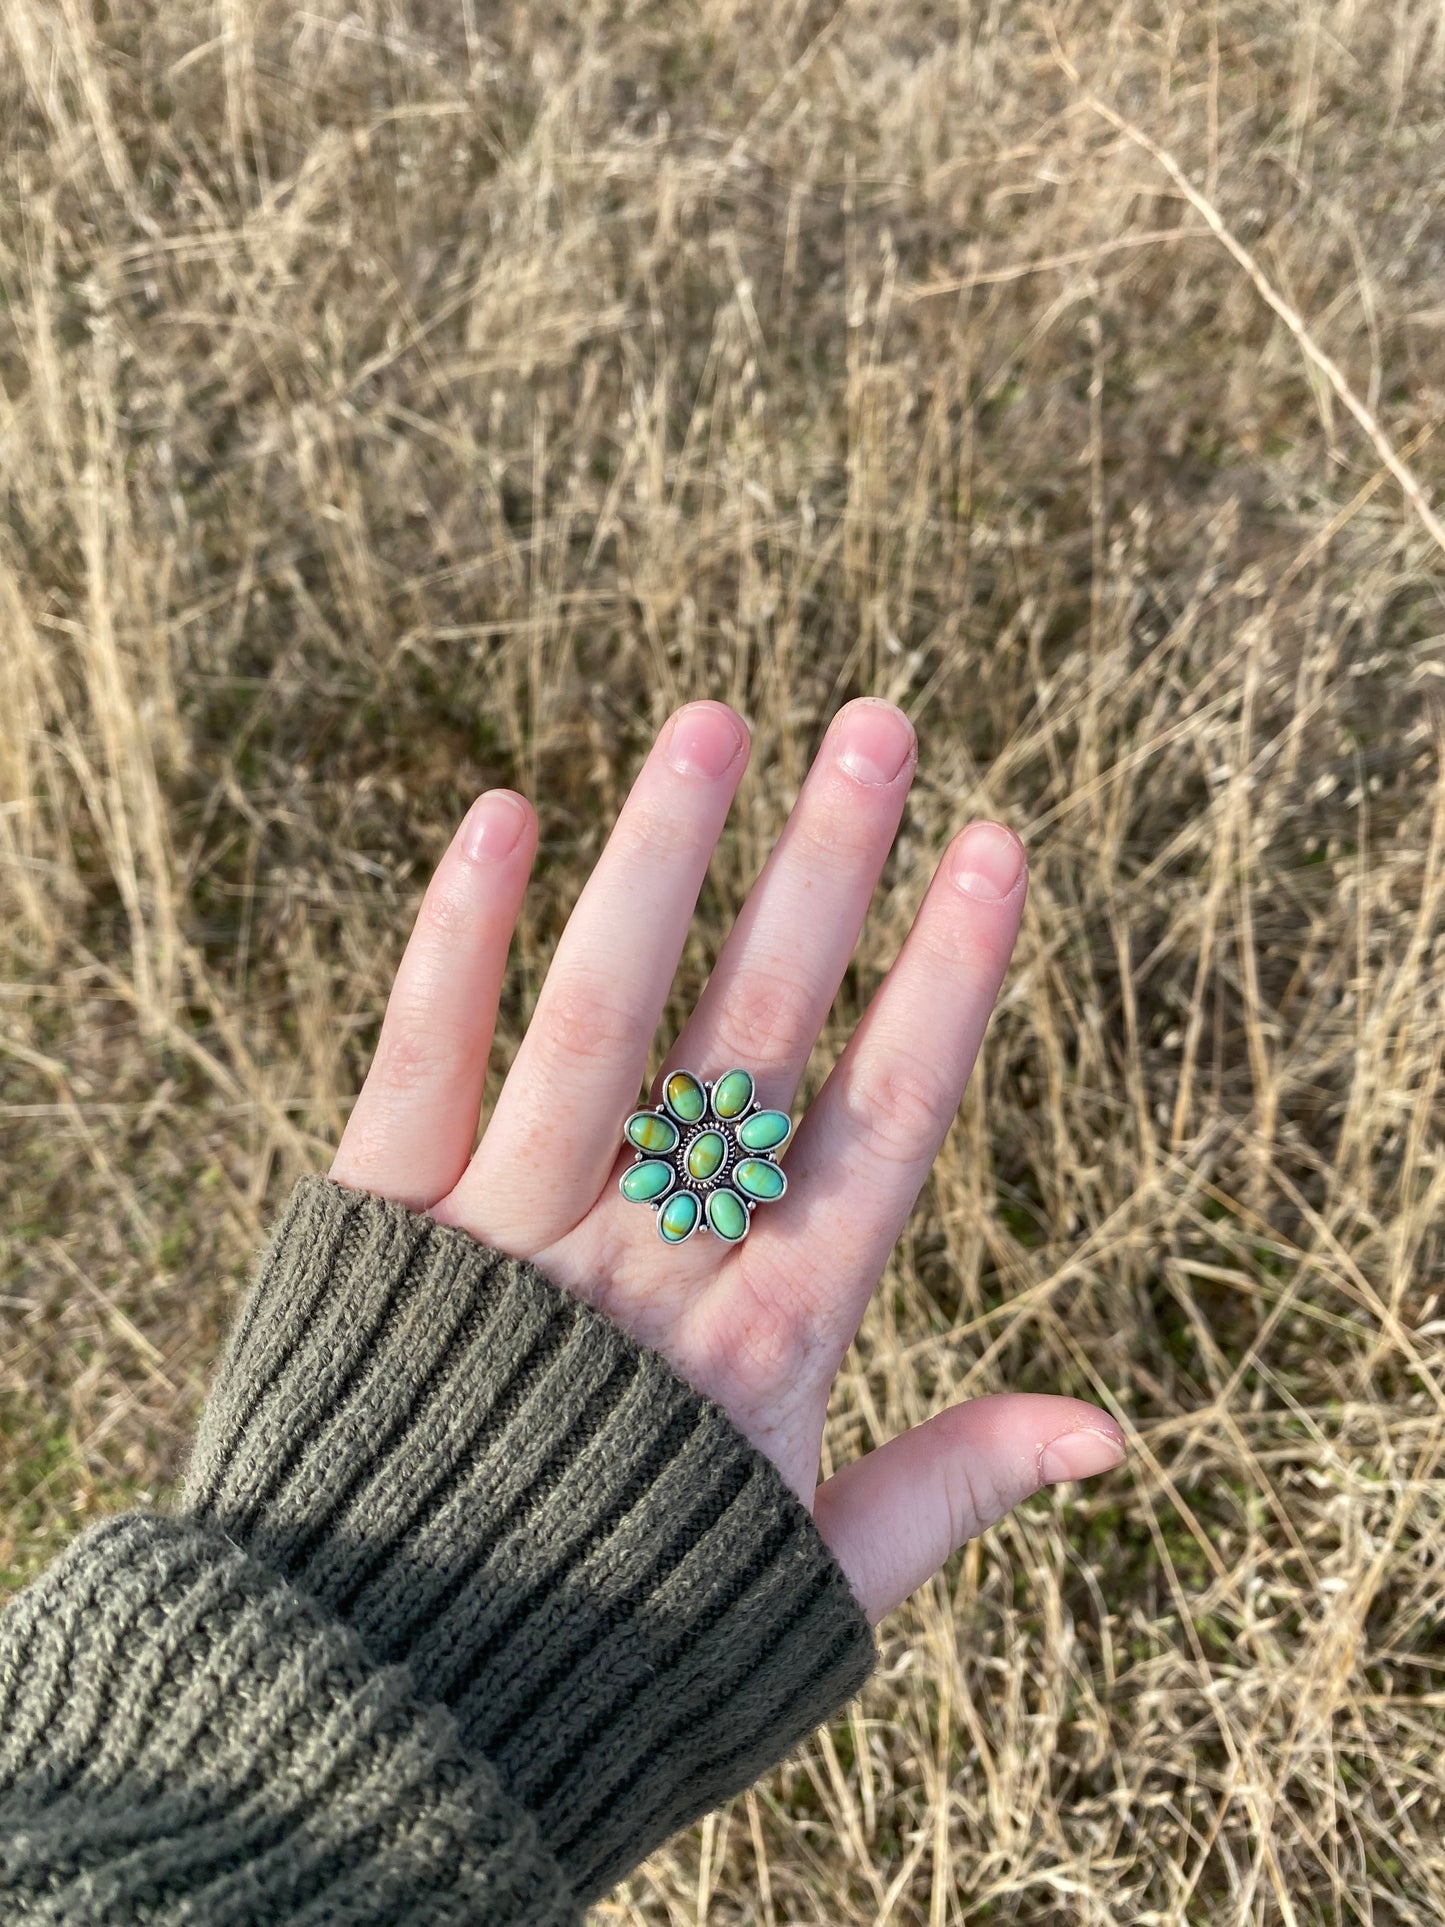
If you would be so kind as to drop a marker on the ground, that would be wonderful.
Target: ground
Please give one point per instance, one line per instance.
(399, 398)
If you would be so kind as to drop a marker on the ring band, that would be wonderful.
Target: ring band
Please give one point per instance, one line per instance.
(705, 1156)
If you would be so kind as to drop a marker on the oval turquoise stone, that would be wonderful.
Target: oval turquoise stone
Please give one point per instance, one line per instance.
(684, 1096)
(646, 1181)
(705, 1154)
(651, 1131)
(731, 1095)
(728, 1215)
(764, 1130)
(760, 1179)
(678, 1218)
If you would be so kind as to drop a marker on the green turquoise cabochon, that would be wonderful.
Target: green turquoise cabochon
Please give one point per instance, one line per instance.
(760, 1179)
(732, 1094)
(705, 1154)
(641, 1183)
(679, 1217)
(728, 1215)
(650, 1131)
(684, 1096)
(764, 1130)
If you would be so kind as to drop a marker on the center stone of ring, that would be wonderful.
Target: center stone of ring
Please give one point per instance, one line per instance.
(697, 1168)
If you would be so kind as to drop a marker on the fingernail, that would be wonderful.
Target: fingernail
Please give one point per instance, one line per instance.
(494, 826)
(1079, 1455)
(704, 740)
(875, 740)
(988, 862)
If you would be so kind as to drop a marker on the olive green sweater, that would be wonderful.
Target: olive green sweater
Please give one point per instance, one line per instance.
(469, 1602)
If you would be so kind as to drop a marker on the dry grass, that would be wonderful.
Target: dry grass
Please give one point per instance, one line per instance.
(398, 397)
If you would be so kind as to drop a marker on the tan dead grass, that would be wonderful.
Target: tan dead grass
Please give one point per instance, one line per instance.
(397, 398)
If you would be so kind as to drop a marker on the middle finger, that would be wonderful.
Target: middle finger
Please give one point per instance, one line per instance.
(870, 1139)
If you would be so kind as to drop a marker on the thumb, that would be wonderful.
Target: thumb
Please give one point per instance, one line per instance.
(892, 1518)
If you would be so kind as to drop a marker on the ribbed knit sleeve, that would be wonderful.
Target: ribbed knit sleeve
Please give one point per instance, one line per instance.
(185, 1738)
(597, 1602)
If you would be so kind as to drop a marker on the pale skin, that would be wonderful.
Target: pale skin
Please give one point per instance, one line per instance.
(761, 1327)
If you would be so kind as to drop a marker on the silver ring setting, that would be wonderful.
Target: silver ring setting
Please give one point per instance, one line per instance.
(705, 1156)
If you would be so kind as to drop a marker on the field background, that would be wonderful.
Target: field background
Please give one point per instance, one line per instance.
(403, 397)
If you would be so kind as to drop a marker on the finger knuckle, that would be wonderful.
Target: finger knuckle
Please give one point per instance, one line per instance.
(900, 1109)
(411, 1057)
(587, 1017)
(969, 1500)
(447, 912)
(652, 831)
(966, 951)
(764, 1022)
(755, 1337)
(766, 1338)
(834, 837)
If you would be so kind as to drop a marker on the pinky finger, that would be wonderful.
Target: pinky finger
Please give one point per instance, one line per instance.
(415, 1122)
(893, 1517)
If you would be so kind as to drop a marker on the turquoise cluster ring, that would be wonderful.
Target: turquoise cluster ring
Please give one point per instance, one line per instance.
(705, 1156)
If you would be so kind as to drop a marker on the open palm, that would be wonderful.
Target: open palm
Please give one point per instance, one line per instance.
(762, 1326)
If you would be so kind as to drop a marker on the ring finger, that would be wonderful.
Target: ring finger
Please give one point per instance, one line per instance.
(552, 1139)
(779, 971)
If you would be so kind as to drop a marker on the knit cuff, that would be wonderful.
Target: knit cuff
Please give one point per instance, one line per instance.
(185, 1738)
(623, 1605)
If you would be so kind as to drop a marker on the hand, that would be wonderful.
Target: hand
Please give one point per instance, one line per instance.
(761, 1327)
